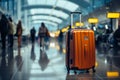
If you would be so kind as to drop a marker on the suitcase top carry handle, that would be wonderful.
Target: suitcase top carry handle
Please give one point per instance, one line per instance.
(75, 13)
(72, 17)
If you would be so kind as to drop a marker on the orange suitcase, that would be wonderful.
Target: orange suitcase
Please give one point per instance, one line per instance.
(80, 49)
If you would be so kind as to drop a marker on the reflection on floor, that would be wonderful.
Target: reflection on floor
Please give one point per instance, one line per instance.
(30, 62)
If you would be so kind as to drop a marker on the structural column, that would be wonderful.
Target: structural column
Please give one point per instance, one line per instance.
(25, 18)
(19, 9)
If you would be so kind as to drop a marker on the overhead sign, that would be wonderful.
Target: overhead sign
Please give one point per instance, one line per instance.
(113, 15)
(112, 74)
(93, 20)
(65, 29)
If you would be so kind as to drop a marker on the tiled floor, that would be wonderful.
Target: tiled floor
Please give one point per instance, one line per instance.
(34, 63)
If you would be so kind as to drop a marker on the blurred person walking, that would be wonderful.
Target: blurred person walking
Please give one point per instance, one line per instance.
(43, 34)
(32, 35)
(60, 37)
(3, 30)
(11, 32)
(19, 32)
(116, 36)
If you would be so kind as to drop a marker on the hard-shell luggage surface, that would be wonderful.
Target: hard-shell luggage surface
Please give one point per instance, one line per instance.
(80, 49)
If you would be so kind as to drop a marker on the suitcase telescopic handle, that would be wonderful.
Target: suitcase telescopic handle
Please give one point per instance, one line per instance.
(72, 17)
(76, 12)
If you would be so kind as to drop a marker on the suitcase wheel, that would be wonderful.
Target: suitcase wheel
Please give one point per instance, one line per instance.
(93, 69)
(87, 71)
(75, 72)
(68, 70)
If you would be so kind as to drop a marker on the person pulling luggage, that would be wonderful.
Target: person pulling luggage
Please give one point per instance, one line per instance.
(42, 34)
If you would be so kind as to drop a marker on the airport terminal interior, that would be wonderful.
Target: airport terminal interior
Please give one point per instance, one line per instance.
(46, 59)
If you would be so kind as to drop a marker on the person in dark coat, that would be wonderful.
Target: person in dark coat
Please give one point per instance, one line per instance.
(32, 34)
(3, 30)
(116, 35)
(61, 36)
